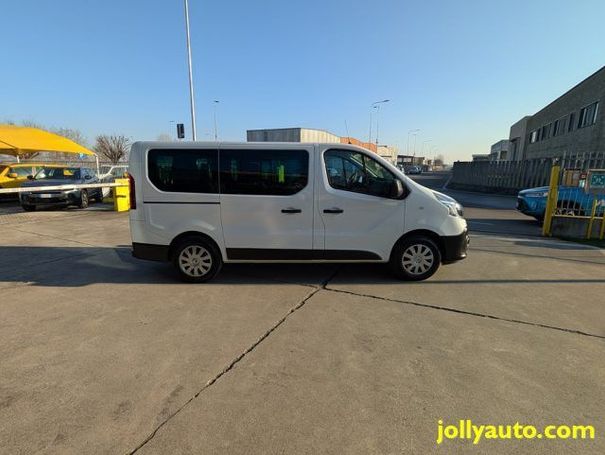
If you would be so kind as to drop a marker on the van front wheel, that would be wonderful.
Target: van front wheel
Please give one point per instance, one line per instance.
(415, 259)
(196, 260)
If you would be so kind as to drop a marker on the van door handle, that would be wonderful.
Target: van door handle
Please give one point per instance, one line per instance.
(334, 210)
(291, 210)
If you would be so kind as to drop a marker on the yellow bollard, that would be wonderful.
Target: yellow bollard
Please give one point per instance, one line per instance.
(551, 202)
(121, 196)
(592, 215)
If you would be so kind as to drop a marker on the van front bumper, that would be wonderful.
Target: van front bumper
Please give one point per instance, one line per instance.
(454, 247)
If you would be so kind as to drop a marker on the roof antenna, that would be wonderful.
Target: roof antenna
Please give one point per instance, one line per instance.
(347, 128)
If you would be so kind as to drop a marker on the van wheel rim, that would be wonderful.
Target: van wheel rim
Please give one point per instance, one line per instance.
(417, 259)
(195, 261)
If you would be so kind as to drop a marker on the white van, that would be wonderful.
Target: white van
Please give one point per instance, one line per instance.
(200, 205)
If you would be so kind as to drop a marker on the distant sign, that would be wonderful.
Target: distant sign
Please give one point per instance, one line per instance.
(595, 181)
(180, 131)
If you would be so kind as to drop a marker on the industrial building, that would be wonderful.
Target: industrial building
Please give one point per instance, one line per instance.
(571, 125)
(316, 135)
(291, 135)
(499, 151)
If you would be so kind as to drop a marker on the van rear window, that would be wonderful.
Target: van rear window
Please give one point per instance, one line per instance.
(264, 172)
(184, 170)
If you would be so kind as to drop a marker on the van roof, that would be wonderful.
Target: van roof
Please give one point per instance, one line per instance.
(192, 144)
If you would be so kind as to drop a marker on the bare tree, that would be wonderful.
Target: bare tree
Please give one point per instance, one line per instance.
(73, 135)
(32, 124)
(115, 148)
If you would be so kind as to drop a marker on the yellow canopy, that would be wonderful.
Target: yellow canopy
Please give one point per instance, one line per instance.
(17, 140)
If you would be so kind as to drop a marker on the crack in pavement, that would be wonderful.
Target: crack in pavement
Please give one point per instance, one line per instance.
(468, 313)
(237, 359)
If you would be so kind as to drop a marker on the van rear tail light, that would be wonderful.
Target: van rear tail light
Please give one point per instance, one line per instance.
(133, 195)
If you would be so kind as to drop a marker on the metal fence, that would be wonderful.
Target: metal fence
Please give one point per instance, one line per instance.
(509, 177)
(575, 208)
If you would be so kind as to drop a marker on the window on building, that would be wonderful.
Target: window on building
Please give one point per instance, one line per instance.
(353, 171)
(184, 170)
(570, 124)
(588, 115)
(533, 136)
(545, 132)
(264, 172)
(556, 128)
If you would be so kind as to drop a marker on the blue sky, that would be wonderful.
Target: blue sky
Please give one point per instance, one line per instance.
(460, 71)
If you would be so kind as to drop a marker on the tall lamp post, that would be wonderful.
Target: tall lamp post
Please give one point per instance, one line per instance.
(191, 97)
(215, 127)
(414, 132)
(376, 105)
(424, 145)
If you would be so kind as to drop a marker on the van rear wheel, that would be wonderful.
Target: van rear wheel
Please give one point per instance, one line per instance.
(196, 259)
(415, 258)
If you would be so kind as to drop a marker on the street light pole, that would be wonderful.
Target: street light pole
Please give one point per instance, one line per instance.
(215, 128)
(424, 145)
(376, 105)
(191, 97)
(370, 134)
(415, 144)
(410, 132)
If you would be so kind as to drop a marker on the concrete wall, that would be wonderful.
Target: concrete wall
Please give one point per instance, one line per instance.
(575, 228)
(578, 141)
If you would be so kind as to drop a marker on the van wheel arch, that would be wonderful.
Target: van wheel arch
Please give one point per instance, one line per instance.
(179, 238)
(421, 233)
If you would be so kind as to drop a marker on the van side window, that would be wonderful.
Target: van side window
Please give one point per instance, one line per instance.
(264, 172)
(353, 171)
(183, 170)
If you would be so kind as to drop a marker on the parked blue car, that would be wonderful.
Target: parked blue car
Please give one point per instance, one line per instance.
(572, 200)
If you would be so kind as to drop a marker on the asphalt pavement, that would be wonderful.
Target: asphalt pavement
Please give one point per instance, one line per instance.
(103, 353)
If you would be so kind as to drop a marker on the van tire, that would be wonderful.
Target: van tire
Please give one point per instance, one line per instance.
(192, 255)
(408, 251)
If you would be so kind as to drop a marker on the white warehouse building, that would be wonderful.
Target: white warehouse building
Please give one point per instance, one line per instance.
(291, 135)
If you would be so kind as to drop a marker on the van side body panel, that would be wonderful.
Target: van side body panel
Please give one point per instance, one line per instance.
(250, 228)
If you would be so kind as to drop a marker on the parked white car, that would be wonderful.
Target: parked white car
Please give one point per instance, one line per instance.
(200, 205)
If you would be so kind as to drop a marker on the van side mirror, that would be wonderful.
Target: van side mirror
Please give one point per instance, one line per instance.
(397, 189)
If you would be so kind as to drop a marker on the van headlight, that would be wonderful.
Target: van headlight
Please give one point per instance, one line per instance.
(453, 207)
